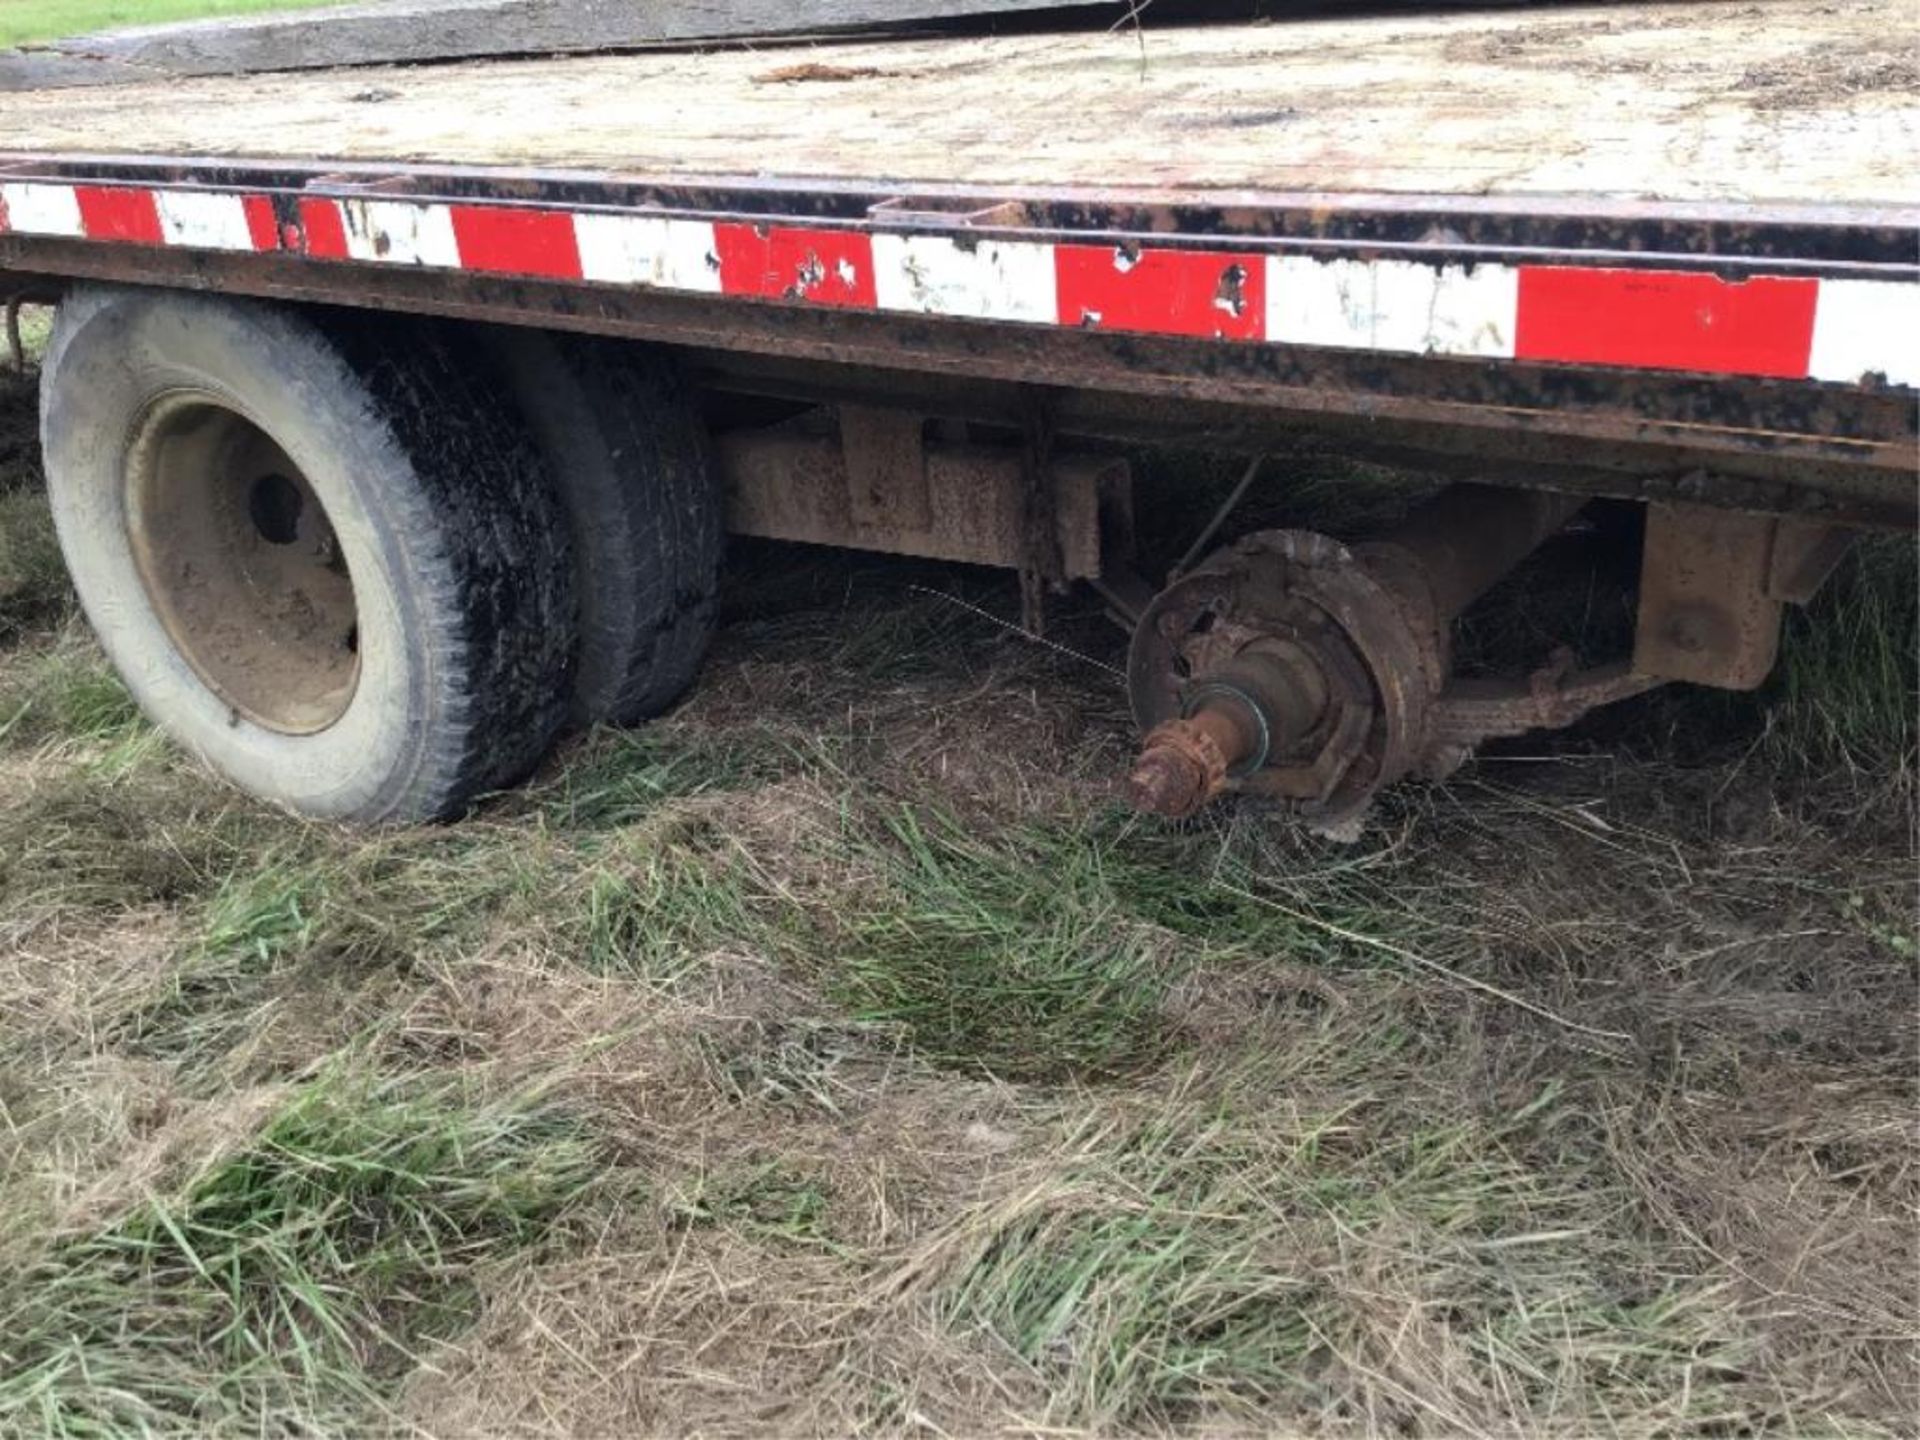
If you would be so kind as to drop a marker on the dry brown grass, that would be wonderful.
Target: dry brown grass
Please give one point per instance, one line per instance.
(835, 1057)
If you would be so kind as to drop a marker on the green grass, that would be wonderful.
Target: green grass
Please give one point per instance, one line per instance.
(616, 779)
(1185, 1269)
(1844, 696)
(22, 21)
(66, 693)
(1006, 952)
(289, 1280)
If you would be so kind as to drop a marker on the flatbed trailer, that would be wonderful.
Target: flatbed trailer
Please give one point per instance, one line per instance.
(1663, 252)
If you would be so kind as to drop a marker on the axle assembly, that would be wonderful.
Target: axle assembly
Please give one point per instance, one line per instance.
(1290, 666)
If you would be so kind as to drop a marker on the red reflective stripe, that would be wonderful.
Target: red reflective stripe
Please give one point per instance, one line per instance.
(1650, 319)
(1164, 292)
(827, 267)
(516, 242)
(323, 233)
(5, 224)
(1666, 320)
(112, 213)
(262, 225)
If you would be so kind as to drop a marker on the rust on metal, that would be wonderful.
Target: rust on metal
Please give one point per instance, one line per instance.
(1706, 614)
(1469, 536)
(1183, 763)
(1833, 481)
(1270, 711)
(884, 452)
(1804, 554)
(957, 501)
(1551, 698)
(1288, 626)
(1839, 452)
(1042, 565)
(1319, 672)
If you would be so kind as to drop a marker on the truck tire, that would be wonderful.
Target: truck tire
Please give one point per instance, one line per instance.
(324, 556)
(629, 455)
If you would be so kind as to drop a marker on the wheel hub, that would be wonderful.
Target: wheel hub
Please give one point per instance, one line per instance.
(242, 564)
(1285, 658)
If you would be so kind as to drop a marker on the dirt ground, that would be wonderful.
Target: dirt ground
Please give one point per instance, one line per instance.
(837, 1056)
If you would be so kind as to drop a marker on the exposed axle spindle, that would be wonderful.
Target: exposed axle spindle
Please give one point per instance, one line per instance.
(1292, 666)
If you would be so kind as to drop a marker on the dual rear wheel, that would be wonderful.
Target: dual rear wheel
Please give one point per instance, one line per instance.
(369, 568)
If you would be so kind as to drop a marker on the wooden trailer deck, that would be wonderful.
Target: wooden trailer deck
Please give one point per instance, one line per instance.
(1779, 101)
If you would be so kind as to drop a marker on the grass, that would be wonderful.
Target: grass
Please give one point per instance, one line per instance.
(835, 1056)
(26, 21)
(284, 1282)
(1009, 952)
(1189, 1268)
(1844, 698)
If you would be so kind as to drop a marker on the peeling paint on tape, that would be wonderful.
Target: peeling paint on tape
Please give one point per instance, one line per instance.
(1844, 331)
(1397, 305)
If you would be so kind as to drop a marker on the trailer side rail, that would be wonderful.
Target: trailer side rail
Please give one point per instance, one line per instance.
(1792, 332)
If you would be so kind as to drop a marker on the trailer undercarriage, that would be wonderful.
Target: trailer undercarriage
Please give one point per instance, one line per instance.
(961, 350)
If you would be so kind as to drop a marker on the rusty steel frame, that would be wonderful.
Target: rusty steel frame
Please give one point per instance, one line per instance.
(1828, 481)
(1709, 612)
(1835, 453)
(880, 484)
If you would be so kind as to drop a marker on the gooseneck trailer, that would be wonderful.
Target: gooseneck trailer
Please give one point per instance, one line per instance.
(376, 414)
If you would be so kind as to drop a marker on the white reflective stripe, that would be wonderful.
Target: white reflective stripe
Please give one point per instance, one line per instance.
(1862, 329)
(41, 209)
(1866, 327)
(986, 280)
(204, 221)
(398, 232)
(1397, 305)
(648, 250)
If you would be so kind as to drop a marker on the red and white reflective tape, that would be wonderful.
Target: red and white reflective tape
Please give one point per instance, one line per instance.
(1791, 327)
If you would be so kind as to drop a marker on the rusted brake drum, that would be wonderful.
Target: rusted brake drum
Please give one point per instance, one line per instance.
(1291, 666)
(1283, 666)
